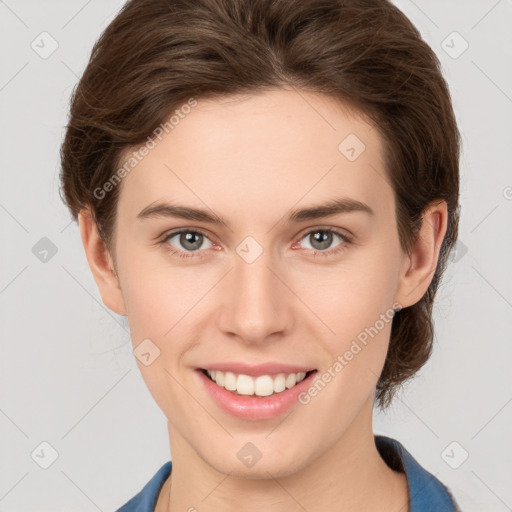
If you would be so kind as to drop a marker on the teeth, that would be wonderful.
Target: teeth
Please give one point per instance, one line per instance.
(264, 385)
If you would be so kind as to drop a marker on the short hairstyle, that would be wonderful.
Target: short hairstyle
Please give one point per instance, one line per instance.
(157, 54)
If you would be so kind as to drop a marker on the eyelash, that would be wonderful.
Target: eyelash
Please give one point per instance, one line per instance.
(347, 240)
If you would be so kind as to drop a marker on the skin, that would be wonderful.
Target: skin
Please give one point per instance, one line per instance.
(252, 159)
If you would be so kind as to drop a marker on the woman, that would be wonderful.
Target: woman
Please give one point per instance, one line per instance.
(269, 192)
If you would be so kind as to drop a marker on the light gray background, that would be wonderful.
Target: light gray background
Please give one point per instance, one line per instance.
(67, 373)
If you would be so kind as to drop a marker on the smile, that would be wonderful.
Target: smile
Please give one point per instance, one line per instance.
(262, 385)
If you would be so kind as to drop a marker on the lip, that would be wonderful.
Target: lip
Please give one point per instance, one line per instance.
(256, 370)
(254, 408)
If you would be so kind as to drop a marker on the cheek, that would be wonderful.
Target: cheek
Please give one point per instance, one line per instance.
(156, 294)
(355, 301)
(162, 305)
(157, 304)
(354, 294)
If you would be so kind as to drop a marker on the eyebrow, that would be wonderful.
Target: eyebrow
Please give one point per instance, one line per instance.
(328, 209)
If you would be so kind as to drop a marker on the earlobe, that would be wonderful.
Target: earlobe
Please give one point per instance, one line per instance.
(419, 268)
(101, 264)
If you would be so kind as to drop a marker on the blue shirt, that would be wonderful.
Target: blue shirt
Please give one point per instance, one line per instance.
(426, 492)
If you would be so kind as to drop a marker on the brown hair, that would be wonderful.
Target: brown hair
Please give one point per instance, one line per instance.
(157, 54)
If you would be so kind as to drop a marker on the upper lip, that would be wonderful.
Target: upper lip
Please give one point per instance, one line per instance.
(257, 369)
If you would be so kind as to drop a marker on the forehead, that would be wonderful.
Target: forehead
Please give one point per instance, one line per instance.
(260, 153)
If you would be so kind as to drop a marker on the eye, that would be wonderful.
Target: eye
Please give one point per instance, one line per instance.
(187, 241)
(321, 239)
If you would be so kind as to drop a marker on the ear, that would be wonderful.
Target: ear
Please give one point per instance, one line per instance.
(420, 266)
(101, 264)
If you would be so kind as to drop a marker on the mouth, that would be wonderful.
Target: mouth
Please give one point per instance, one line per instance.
(256, 386)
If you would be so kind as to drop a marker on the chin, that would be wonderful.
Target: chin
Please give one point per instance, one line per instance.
(276, 466)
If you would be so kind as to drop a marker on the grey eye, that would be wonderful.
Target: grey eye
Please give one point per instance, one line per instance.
(321, 239)
(188, 240)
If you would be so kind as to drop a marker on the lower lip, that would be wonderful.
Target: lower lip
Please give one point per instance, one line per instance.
(255, 407)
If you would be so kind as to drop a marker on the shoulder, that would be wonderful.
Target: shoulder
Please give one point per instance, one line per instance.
(145, 500)
(426, 492)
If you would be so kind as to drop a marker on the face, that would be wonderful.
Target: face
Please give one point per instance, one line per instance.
(265, 285)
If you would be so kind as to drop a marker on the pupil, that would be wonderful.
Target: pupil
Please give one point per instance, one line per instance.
(323, 238)
(187, 238)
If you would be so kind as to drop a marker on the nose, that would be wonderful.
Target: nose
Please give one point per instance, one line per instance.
(257, 305)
